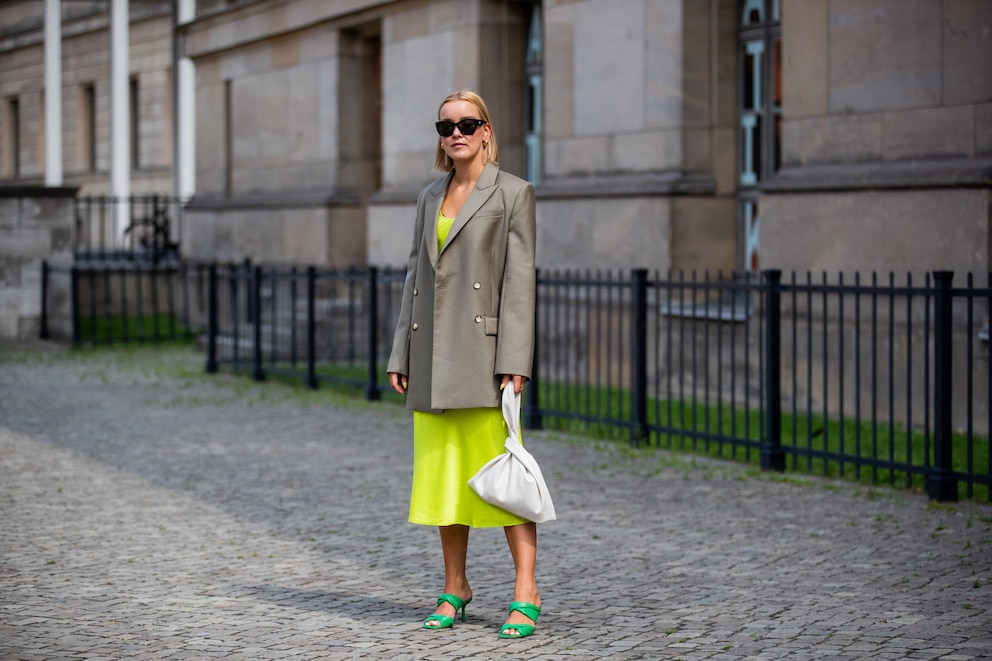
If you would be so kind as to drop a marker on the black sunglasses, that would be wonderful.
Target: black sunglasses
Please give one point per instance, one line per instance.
(446, 128)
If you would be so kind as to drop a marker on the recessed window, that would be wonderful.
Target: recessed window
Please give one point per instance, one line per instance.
(86, 132)
(135, 124)
(228, 133)
(12, 137)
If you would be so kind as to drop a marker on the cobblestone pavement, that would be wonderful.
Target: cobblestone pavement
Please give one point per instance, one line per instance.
(150, 511)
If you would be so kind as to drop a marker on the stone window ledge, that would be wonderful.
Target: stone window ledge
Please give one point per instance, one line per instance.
(304, 199)
(624, 185)
(930, 173)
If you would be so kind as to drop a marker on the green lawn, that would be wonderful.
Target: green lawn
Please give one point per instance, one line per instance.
(117, 329)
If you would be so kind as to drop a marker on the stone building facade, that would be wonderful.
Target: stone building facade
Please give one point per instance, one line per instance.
(727, 135)
(86, 95)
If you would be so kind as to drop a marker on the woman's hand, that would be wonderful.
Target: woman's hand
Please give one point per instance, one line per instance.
(398, 382)
(518, 382)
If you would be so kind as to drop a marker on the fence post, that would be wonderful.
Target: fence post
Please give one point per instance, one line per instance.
(772, 455)
(249, 299)
(941, 485)
(372, 301)
(311, 380)
(212, 319)
(153, 273)
(639, 358)
(255, 291)
(532, 399)
(74, 286)
(44, 299)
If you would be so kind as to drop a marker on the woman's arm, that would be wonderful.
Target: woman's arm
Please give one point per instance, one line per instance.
(518, 298)
(398, 366)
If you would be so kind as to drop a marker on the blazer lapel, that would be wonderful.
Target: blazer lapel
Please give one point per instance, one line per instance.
(484, 189)
(432, 207)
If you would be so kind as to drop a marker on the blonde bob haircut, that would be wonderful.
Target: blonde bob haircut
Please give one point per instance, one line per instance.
(442, 161)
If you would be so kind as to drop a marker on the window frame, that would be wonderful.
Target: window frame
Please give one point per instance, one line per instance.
(759, 147)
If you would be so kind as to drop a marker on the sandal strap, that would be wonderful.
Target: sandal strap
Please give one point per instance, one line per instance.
(530, 610)
(455, 601)
(443, 621)
(523, 630)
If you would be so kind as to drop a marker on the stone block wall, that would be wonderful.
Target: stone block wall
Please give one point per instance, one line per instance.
(36, 224)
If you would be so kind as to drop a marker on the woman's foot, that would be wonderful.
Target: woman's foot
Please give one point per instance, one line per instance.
(448, 605)
(522, 615)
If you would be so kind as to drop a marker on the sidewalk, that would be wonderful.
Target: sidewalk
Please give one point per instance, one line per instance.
(149, 511)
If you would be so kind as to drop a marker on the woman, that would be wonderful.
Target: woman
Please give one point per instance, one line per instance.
(465, 332)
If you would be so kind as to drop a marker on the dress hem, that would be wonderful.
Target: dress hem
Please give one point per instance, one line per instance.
(470, 525)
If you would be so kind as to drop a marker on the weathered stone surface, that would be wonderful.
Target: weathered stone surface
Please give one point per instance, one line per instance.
(704, 235)
(804, 58)
(37, 225)
(983, 129)
(391, 234)
(895, 231)
(932, 132)
(597, 233)
(882, 57)
(559, 67)
(967, 52)
(841, 138)
(609, 95)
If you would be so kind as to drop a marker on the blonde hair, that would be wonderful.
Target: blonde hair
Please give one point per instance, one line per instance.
(442, 161)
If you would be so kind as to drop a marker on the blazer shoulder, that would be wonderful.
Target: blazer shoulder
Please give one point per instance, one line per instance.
(436, 187)
(511, 181)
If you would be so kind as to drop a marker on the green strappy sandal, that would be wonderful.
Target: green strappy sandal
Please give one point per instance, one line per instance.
(445, 621)
(523, 630)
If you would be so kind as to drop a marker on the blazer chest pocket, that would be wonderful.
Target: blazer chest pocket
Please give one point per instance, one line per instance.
(492, 325)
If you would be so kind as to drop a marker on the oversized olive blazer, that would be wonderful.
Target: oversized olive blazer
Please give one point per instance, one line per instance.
(467, 314)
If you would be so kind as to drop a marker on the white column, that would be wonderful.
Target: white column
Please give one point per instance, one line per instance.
(120, 148)
(53, 92)
(185, 127)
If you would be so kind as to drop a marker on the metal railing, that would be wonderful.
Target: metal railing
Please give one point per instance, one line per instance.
(138, 227)
(876, 382)
(104, 303)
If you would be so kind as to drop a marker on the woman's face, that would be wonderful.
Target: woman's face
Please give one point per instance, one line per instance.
(459, 147)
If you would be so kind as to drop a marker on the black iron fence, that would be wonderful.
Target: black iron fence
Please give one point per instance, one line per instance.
(122, 302)
(873, 381)
(138, 227)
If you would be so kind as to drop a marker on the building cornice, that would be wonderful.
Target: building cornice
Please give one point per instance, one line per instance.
(31, 32)
(300, 199)
(664, 184)
(250, 22)
(930, 173)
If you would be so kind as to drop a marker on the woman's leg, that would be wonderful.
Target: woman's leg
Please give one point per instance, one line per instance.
(454, 546)
(522, 540)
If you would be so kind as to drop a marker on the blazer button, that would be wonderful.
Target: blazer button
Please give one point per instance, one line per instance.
(415, 325)
(478, 318)
(477, 285)
(415, 292)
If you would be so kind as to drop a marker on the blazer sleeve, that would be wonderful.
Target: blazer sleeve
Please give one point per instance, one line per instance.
(399, 357)
(518, 300)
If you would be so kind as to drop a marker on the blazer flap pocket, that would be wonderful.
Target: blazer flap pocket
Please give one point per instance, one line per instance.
(492, 325)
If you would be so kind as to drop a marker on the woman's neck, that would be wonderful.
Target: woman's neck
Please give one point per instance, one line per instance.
(467, 173)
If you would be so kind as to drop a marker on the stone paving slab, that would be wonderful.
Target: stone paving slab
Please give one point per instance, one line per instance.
(149, 511)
